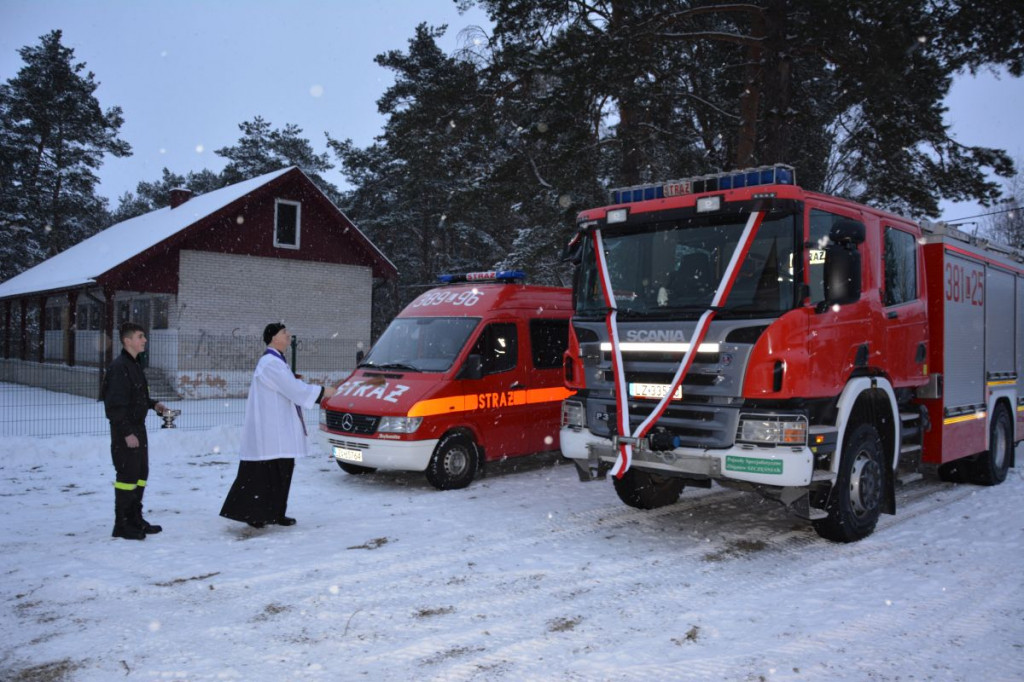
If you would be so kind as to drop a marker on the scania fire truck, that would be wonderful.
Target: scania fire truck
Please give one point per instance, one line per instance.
(739, 329)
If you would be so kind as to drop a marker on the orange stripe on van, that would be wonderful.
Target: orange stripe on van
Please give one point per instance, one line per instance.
(473, 401)
(429, 408)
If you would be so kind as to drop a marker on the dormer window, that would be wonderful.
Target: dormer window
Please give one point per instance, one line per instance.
(287, 224)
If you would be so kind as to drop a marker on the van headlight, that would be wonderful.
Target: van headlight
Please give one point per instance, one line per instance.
(399, 424)
(573, 414)
(759, 429)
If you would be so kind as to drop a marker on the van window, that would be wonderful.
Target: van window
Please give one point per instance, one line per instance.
(548, 339)
(498, 347)
(424, 344)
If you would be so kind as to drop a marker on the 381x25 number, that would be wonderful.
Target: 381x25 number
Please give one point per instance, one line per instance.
(965, 286)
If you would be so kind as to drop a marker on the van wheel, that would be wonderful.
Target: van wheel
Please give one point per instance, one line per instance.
(856, 498)
(990, 467)
(644, 490)
(354, 469)
(454, 462)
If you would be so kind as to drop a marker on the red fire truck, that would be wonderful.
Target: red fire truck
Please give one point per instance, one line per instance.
(467, 373)
(737, 328)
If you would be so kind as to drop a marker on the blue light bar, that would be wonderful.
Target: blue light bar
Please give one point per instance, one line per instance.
(779, 174)
(505, 276)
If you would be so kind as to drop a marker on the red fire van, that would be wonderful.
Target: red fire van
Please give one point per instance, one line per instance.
(467, 373)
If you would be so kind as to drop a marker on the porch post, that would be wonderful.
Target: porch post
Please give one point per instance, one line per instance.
(7, 329)
(72, 330)
(41, 341)
(23, 351)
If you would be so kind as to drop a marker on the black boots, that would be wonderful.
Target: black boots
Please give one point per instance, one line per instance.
(125, 525)
(128, 521)
(146, 526)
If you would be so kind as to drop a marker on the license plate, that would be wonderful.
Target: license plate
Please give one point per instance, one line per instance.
(348, 455)
(653, 391)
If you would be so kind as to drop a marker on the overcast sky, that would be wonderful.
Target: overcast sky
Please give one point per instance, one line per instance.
(188, 72)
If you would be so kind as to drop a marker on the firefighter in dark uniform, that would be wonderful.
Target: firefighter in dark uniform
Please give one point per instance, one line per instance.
(126, 400)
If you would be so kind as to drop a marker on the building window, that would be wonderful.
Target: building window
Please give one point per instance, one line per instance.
(161, 310)
(287, 224)
(54, 319)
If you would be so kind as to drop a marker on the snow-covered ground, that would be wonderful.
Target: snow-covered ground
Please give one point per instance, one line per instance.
(525, 575)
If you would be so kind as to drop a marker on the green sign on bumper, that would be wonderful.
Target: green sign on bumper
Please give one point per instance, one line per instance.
(753, 465)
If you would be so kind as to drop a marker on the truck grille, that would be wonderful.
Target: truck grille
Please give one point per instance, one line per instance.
(348, 422)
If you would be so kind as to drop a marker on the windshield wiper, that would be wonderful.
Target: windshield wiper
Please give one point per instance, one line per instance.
(392, 365)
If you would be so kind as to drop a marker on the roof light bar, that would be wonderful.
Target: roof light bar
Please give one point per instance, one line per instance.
(488, 276)
(779, 174)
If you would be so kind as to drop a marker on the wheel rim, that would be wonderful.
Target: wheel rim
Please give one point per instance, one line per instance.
(865, 484)
(456, 461)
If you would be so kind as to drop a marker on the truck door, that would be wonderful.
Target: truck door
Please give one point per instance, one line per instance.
(840, 338)
(501, 388)
(905, 309)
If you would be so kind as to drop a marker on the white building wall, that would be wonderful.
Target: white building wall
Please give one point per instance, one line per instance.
(226, 294)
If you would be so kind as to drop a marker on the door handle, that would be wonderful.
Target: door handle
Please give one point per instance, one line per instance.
(515, 385)
(892, 315)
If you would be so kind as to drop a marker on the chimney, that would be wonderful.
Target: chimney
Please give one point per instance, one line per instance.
(179, 195)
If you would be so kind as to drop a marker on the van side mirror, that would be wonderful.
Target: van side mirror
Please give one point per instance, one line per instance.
(472, 368)
(842, 263)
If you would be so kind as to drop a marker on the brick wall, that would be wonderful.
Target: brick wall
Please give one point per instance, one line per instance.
(231, 294)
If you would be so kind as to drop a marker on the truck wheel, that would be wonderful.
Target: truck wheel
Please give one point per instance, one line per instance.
(644, 490)
(856, 499)
(354, 469)
(454, 462)
(990, 467)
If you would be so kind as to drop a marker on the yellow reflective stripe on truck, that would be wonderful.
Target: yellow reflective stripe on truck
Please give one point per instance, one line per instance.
(488, 400)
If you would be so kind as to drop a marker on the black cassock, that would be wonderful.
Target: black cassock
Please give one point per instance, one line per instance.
(259, 494)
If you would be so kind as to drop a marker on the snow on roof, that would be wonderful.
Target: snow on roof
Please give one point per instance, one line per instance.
(81, 264)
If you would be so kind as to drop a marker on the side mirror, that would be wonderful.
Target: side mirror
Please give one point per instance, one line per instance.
(842, 263)
(472, 369)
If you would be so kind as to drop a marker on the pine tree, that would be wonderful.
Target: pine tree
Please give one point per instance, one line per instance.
(849, 93)
(263, 149)
(149, 196)
(54, 138)
(1007, 224)
(415, 186)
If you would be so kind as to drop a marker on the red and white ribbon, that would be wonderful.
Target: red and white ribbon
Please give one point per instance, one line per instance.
(625, 455)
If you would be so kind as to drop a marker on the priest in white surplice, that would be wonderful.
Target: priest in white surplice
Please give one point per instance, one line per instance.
(274, 434)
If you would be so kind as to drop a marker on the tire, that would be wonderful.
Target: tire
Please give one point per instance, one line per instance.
(856, 498)
(990, 467)
(644, 490)
(454, 462)
(354, 469)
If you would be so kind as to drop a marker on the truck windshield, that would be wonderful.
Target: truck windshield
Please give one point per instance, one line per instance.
(421, 344)
(672, 269)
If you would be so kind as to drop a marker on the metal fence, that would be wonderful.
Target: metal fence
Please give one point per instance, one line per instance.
(205, 377)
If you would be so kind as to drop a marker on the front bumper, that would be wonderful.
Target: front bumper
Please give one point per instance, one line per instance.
(401, 455)
(778, 466)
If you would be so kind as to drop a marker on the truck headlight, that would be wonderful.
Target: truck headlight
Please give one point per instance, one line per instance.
(770, 430)
(399, 424)
(323, 416)
(573, 414)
